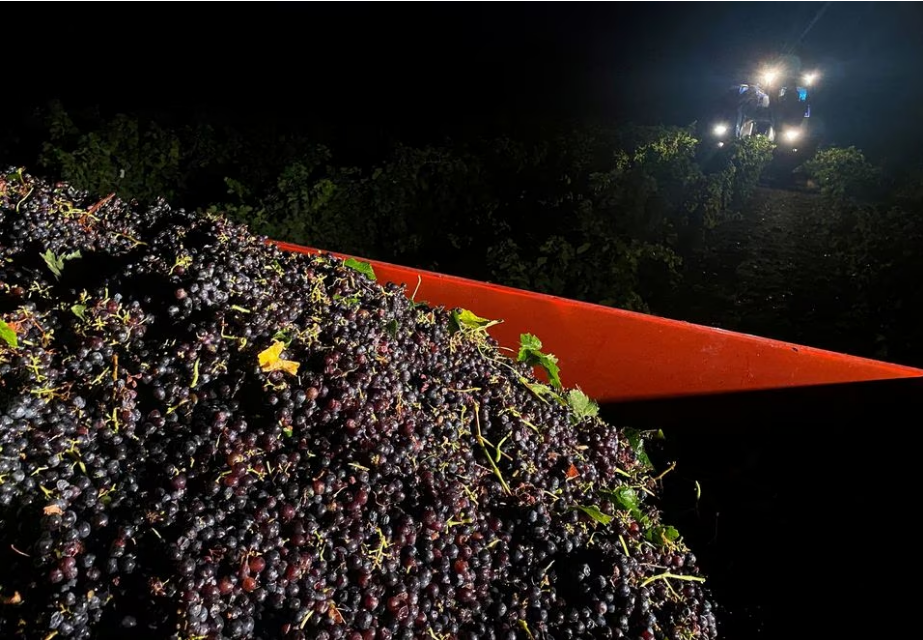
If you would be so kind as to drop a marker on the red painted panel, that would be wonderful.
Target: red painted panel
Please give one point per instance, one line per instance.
(621, 355)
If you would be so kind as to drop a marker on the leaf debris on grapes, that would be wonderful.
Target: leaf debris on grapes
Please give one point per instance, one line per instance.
(530, 352)
(581, 404)
(595, 513)
(8, 335)
(364, 268)
(465, 320)
(270, 359)
(626, 497)
(56, 262)
(636, 439)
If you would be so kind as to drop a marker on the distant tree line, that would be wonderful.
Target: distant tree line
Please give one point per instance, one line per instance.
(627, 216)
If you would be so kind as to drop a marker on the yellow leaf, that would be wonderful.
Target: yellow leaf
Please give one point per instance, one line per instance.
(270, 360)
(288, 366)
(52, 510)
(271, 355)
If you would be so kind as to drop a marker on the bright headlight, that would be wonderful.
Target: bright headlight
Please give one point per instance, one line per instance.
(809, 79)
(769, 76)
(720, 129)
(792, 134)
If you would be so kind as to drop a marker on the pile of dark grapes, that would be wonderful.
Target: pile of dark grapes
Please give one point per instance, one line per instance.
(202, 436)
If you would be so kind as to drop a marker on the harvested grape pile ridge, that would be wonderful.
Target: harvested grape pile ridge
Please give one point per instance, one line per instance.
(202, 436)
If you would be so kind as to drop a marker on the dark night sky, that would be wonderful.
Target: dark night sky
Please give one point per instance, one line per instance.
(421, 70)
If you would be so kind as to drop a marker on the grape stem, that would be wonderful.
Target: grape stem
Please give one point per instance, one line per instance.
(624, 546)
(304, 621)
(668, 575)
(666, 471)
(413, 298)
(24, 198)
(490, 459)
(99, 205)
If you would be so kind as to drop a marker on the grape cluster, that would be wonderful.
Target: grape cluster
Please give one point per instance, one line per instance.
(387, 474)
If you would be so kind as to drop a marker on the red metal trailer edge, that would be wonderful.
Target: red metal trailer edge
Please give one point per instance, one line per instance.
(617, 355)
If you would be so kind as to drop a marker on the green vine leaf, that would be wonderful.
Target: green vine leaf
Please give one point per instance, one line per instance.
(581, 404)
(56, 263)
(528, 343)
(465, 320)
(351, 301)
(549, 363)
(530, 353)
(79, 310)
(636, 440)
(392, 329)
(595, 513)
(284, 337)
(362, 267)
(542, 391)
(626, 498)
(8, 335)
(662, 535)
